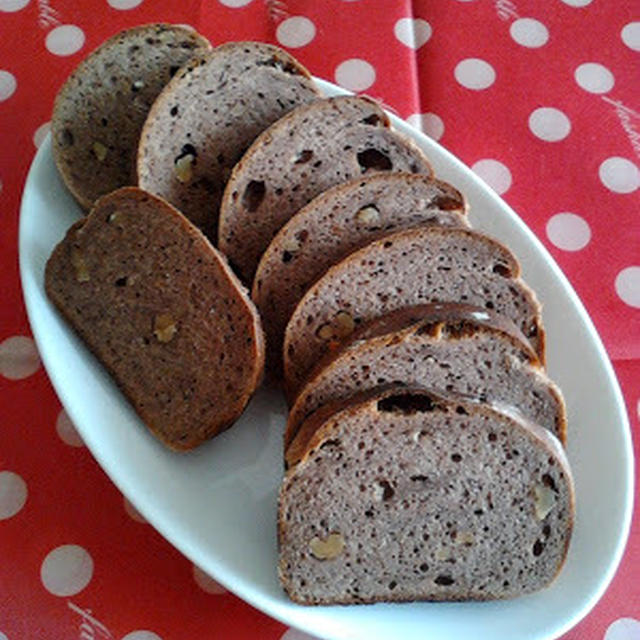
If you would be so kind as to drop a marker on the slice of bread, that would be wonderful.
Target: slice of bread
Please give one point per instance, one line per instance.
(163, 312)
(450, 348)
(414, 266)
(334, 224)
(207, 117)
(403, 495)
(100, 109)
(305, 153)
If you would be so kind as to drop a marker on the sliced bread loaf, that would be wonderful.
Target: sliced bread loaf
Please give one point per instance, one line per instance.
(99, 111)
(335, 223)
(450, 348)
(305, 153)
(163, 312)
(207, 117)
(404, 495)
(414, 266)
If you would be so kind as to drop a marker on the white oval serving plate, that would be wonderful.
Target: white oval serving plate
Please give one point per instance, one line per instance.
(218, 503)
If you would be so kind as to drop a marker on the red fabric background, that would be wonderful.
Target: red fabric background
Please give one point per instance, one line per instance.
(139, 581)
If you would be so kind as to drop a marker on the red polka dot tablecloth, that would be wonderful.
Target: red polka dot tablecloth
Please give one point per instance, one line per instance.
(540, 98)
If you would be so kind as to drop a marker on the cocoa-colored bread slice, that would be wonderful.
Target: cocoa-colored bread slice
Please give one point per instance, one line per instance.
(207, 117)
(335, 223)
(163, 312)
(305, 153)
(99, 111)
(450, 348)
(414, 266)
(404, 495)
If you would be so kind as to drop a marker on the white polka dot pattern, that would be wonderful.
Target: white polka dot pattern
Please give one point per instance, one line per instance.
(8, 85)
(628, 286)
(41, 133)
(619, 175)
(143, 634)
(475, 74)
(206, 582)
(412, 32)
(13, 494)
(494, 173)
(429, 123)
(9, 6)
(18, 358)
(549, 124)
(235, 4)
(594, 77)
(66, 430)
(630, 35)
(568, 231)
(355, 74)
(294, 32)
(65, 40)
(623, 629)
(577, 3)
(529, 32)
(124, 5)
(66, 570)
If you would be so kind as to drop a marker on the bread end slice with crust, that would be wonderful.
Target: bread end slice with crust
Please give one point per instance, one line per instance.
(163, 312)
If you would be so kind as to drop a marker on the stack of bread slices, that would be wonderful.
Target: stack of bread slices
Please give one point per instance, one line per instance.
(424, 445)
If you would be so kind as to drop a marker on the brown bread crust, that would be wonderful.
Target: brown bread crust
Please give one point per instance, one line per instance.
(163, 312)
(437, 313)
